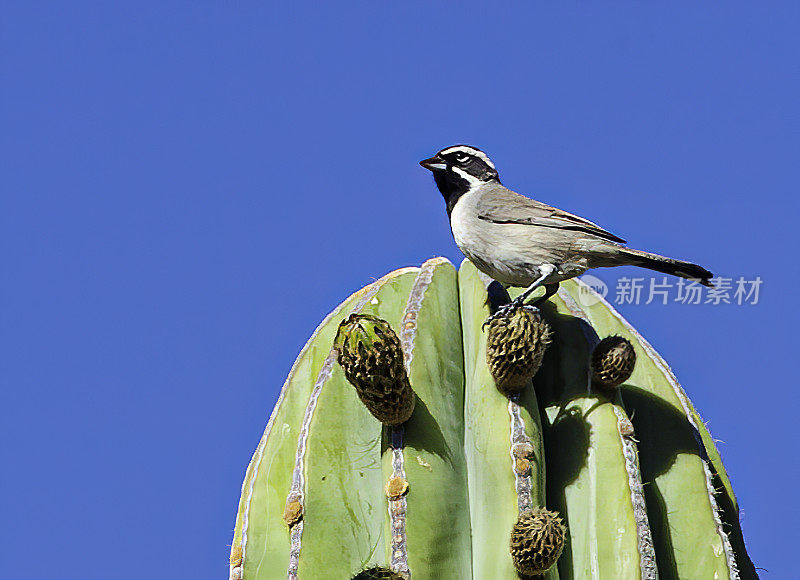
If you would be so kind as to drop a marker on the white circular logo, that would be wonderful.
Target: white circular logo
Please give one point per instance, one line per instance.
(589, 297)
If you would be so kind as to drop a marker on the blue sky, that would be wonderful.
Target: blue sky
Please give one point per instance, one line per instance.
(189, 187)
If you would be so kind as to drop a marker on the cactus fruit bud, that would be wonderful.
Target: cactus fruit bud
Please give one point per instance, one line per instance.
(515, 346)
(372, 358)
(536, 541)
(613, 360)
(377, 573)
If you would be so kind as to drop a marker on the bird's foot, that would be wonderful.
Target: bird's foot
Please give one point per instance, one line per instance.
(504, 311)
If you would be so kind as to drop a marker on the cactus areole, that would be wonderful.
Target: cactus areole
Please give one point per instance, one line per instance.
(410, 442)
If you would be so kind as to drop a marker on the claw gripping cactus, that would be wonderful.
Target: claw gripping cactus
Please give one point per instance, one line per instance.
(613, 482)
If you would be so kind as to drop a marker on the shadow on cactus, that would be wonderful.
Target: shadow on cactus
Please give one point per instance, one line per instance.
(377, 573)
(425, 433)
(435, 449)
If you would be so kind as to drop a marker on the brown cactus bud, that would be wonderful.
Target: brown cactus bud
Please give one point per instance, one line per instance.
(522, 450)
(613, 360)
(293, 512)
(372, 359)
(396, 487)
(522, 466)
(536, 541)
(515, 346)
(377, 573)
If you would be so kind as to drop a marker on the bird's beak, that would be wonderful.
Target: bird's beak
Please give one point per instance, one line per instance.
(435, 163)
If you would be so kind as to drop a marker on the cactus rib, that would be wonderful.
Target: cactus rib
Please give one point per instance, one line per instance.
(520, 465)
(343, 466)
(398, 506)
(646, 551)
(297, 492)
(684, 545)
(241, 535)
(495, 491)
(587, 477)
(437, 523)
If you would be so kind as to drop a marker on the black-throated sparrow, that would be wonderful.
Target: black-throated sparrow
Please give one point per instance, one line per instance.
(519, 241)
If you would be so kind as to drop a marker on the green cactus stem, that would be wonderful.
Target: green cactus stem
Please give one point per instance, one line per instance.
(502, 440)
(632, 472)
(592, 480)
(696, 530)
(428, 531)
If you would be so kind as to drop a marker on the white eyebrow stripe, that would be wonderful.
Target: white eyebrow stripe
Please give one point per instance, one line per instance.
(470, 151)
(471, 179)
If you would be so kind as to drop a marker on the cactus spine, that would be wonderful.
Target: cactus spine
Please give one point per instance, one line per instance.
(440, 492)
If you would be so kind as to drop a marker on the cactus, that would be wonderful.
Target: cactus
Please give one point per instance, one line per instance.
(491, 475)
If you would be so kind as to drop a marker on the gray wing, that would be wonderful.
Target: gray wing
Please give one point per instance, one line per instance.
(503, 206)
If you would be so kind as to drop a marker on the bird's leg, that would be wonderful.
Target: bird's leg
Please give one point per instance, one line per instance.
(545, 270)
(549, 290)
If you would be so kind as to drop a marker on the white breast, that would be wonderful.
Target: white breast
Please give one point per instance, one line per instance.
(480, 240)
(463, 222)
(506, 252)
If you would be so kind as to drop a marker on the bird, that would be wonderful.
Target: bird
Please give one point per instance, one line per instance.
(521, 242)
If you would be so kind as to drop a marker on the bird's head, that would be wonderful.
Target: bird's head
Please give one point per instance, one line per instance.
(458, 169)
(463, 162)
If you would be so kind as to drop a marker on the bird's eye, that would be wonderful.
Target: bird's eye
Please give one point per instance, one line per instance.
(462, 158)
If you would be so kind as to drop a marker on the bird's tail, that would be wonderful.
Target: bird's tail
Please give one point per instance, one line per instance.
(668, 265)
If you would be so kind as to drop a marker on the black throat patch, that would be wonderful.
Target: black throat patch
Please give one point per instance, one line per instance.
(452, 186)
